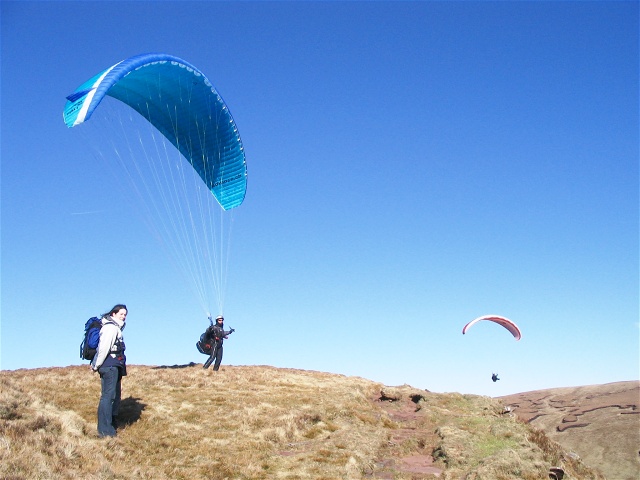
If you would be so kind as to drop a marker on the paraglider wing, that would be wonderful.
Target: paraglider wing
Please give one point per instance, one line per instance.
(181, 103)
(505, 322)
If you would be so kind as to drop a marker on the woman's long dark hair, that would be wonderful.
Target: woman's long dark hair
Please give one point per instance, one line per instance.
(116, 309)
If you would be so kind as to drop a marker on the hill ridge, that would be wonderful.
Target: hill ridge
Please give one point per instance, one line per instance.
(262, 422)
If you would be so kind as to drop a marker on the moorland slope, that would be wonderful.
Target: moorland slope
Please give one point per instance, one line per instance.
(260, 422)
(600, 423)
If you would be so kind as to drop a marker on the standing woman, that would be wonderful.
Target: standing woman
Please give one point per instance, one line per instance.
(111, 363)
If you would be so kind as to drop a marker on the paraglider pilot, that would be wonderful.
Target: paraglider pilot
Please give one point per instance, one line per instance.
(215, 334)
(494, 377)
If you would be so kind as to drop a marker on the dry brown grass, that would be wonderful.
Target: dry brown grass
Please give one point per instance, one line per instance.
(479, 440)
(257, 422)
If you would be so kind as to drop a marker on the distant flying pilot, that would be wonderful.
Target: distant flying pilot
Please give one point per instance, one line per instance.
(494, 377)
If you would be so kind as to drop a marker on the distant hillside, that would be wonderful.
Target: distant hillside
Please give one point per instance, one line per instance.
(600, 423)
(259, 422)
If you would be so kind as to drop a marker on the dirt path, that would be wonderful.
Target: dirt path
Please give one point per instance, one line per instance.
(408, 450)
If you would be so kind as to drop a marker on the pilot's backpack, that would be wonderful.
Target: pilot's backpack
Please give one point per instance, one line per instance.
(205, 344)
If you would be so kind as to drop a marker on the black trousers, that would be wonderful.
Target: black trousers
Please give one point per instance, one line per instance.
(216, 356)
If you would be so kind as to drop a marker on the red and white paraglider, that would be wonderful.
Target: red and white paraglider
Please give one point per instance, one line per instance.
(505, 322)
(502, 321)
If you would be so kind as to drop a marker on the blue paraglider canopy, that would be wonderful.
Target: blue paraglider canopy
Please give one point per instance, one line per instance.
(180, 116)
(182, 104)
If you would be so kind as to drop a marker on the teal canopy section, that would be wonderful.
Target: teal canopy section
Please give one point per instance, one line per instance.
(182, 104)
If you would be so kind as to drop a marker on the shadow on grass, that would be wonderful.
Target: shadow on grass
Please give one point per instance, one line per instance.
(187, 365)
(130, 410)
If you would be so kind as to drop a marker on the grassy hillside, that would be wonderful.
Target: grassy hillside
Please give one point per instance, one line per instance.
(260, 422)
(601, 423)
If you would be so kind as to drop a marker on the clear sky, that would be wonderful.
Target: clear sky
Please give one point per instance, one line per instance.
(412, 166)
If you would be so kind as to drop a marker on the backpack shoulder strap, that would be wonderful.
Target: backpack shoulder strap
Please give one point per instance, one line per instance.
(112, 322)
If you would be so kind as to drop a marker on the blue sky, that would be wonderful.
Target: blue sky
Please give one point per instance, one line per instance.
(412, 166)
